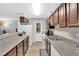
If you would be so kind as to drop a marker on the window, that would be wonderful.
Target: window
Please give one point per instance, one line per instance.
(38, 27)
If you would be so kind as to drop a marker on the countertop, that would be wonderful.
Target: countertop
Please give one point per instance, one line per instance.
(69, 36)
(6, 44)
(65, 47)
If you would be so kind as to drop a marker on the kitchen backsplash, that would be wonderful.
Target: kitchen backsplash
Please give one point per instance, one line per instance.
(74, 30)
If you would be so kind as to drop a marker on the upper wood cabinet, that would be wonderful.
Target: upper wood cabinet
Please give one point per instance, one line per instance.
(66, 15)
(48, 20)
(23, 20)
(51, 20)
(78, 13)
(55, 17)
(72, 19)
(62, 15)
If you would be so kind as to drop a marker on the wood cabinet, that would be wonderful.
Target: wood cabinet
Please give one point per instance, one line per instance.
(55, 17)
(20, 49)
(51, 20)
(23, 20)
(72, 15)
(11, 52)
(66, 15)
(62, 15)
(48, 47)
(78, 14)
(26, 44)
(50, 23)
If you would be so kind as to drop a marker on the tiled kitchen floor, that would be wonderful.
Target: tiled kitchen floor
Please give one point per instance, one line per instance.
(34, 50)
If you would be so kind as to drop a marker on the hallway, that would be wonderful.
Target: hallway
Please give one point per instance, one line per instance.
(34, 50)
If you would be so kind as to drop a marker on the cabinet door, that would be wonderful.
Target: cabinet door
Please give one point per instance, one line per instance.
(52, 20)
(50, 23)
(62, 16)
(20, 49)
(46, 45)
(25, 45)
(23, 20)
(49, 48)
(12, 52)
(78, 13)
(73, 21)
(68, 15)
(55, 21)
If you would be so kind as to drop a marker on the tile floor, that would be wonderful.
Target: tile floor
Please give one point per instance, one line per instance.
(34, 50)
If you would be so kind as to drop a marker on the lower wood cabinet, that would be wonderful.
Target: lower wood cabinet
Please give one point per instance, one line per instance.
(48, 47)
(26, 44)
(20, 49)
(11, 52)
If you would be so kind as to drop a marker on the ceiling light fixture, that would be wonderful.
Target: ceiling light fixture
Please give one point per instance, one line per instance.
(36, 8)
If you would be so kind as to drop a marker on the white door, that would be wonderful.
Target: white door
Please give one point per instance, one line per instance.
(38, 31)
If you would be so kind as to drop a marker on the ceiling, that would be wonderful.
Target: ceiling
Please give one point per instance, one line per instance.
(13, 10)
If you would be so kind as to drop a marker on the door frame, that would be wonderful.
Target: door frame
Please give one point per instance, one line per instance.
(35, 25)
(36, 33)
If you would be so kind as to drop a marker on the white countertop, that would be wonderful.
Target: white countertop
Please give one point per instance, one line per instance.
(9, 43)
(65, 47)
(67, 35)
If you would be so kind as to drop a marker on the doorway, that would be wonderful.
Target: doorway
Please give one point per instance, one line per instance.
(38, 31)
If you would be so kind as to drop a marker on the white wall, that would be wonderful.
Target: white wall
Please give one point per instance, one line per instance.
(9, 25)
(32, 22)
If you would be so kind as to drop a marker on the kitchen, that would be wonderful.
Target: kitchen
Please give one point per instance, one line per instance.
(20, 29)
